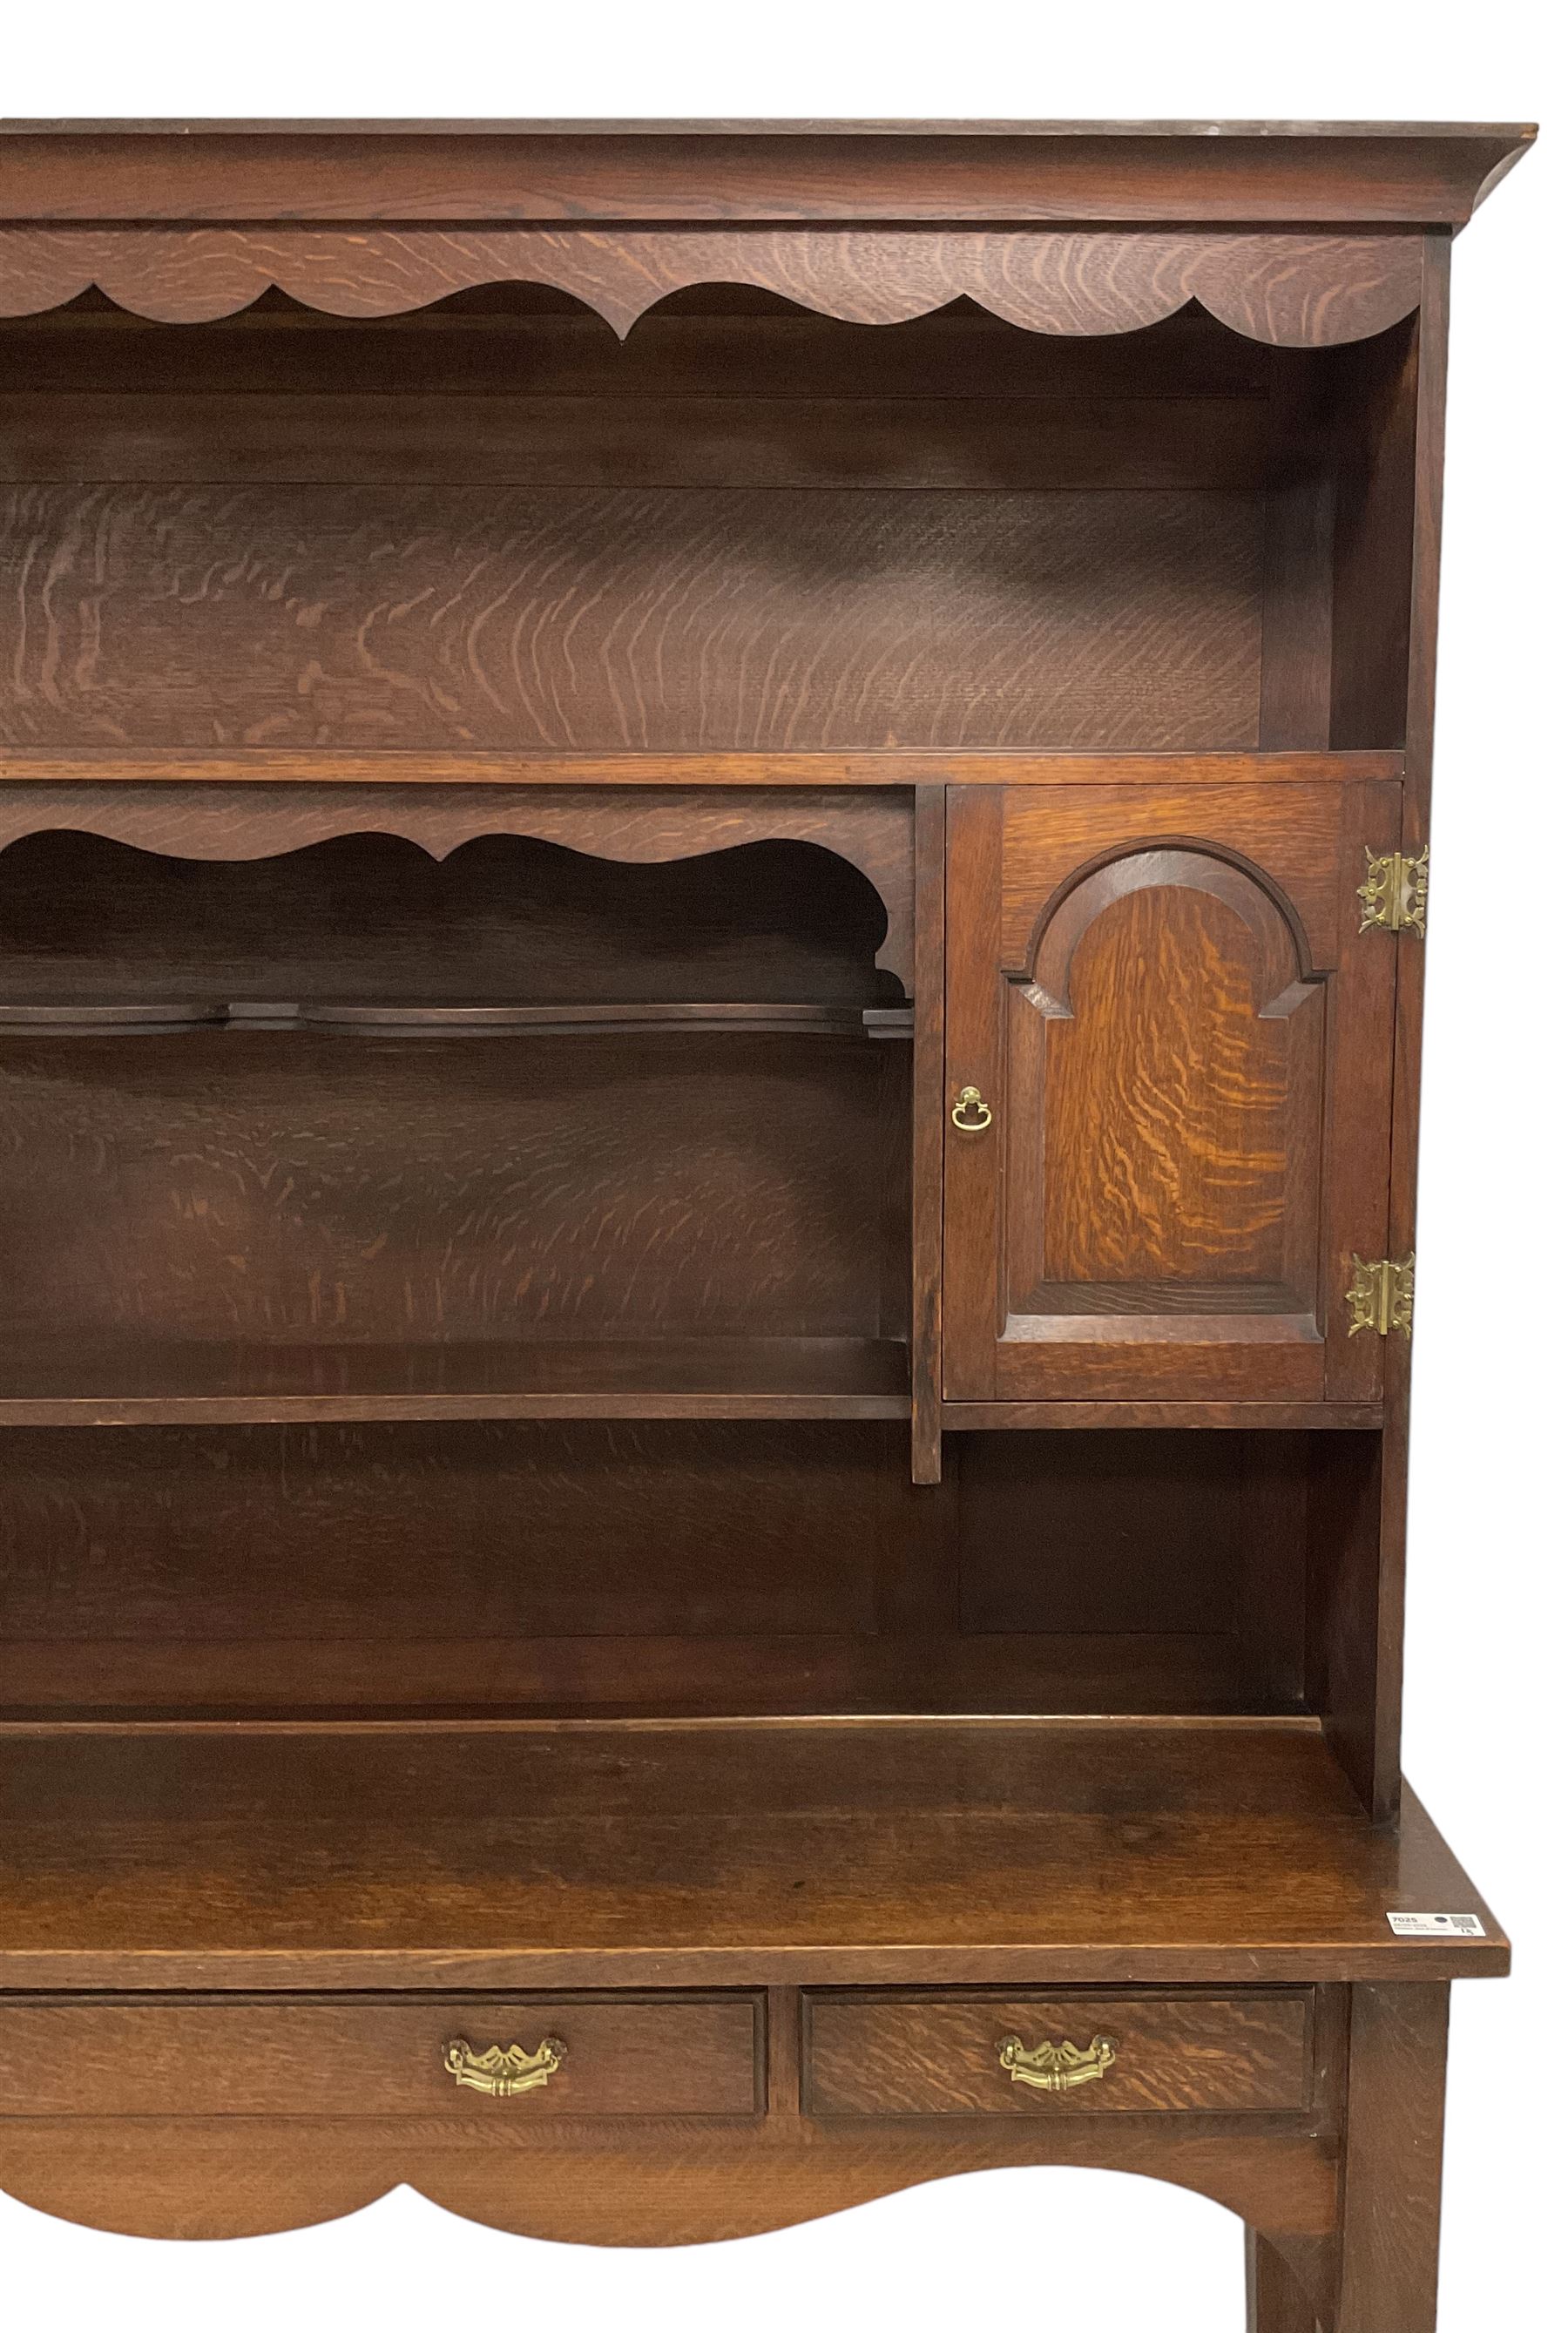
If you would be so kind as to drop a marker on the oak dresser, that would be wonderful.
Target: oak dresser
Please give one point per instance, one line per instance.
(713, 868)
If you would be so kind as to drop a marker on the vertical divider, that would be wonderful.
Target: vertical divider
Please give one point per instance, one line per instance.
(928, 1087)
(781, 2097)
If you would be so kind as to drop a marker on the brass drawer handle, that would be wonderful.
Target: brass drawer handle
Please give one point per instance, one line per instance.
(1057, 2065)
(971, 1115)
(503, 2073)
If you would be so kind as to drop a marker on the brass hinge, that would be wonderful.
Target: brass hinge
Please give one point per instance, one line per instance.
(1394, 896)
(1382, 1296)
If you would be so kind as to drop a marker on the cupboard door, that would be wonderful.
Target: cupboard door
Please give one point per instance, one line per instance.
(1163, 999)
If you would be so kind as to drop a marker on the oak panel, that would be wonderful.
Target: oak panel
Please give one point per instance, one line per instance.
(353, 1538)
(1156, 1176)
(1292, 836)
(294, 1189)
(591, 1567)
(724, 619)
(1184, 1040)
(349, 437)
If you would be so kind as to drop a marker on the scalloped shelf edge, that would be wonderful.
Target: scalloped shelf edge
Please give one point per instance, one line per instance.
(1289, 290)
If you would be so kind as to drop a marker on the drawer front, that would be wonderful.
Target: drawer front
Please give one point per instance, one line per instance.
(629, 2054)
(974, 2053)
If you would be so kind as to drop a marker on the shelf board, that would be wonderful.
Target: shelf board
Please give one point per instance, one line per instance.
(71, 1384)
(74, 1017)
(874, 766)
(969, 1850)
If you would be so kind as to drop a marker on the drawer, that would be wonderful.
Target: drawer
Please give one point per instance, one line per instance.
(398, 2054)
(974, 2053)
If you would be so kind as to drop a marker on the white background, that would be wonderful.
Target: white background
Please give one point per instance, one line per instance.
(1090, 2252)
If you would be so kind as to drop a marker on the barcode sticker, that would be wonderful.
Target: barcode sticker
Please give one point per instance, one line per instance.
(1435, 1923)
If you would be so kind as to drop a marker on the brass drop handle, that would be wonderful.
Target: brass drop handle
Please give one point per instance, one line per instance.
(1055, 2065)
(971, 1114)
(503, 2073)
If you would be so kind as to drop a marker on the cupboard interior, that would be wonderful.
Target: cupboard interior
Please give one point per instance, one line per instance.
(492, 526)
(678, 1569)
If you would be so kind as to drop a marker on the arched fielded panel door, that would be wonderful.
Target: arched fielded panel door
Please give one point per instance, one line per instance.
(1176, 1043)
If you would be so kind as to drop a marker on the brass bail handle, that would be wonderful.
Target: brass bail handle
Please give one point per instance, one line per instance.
(971, 1111)
(1057, 2065)
(499, 2073)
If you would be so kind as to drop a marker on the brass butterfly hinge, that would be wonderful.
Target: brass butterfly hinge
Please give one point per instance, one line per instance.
(1394, 896)
(1382, 1296)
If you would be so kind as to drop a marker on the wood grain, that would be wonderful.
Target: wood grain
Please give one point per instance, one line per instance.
(581, 620)
(871, 2053)
(1429, 422)
(666, 2055)
(471, 1855)
(685, 589)
(295, 1189)
(589, 1567)
(355, 1537)
(780, 773)
(1293, 839)
(1173, 962)
(1275, 2302)
(1294, 290)
(628, 2182)
(1181, 1223)
(1358, 1129)
(351, 438)
(1393, 2159)
(927, 1082)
